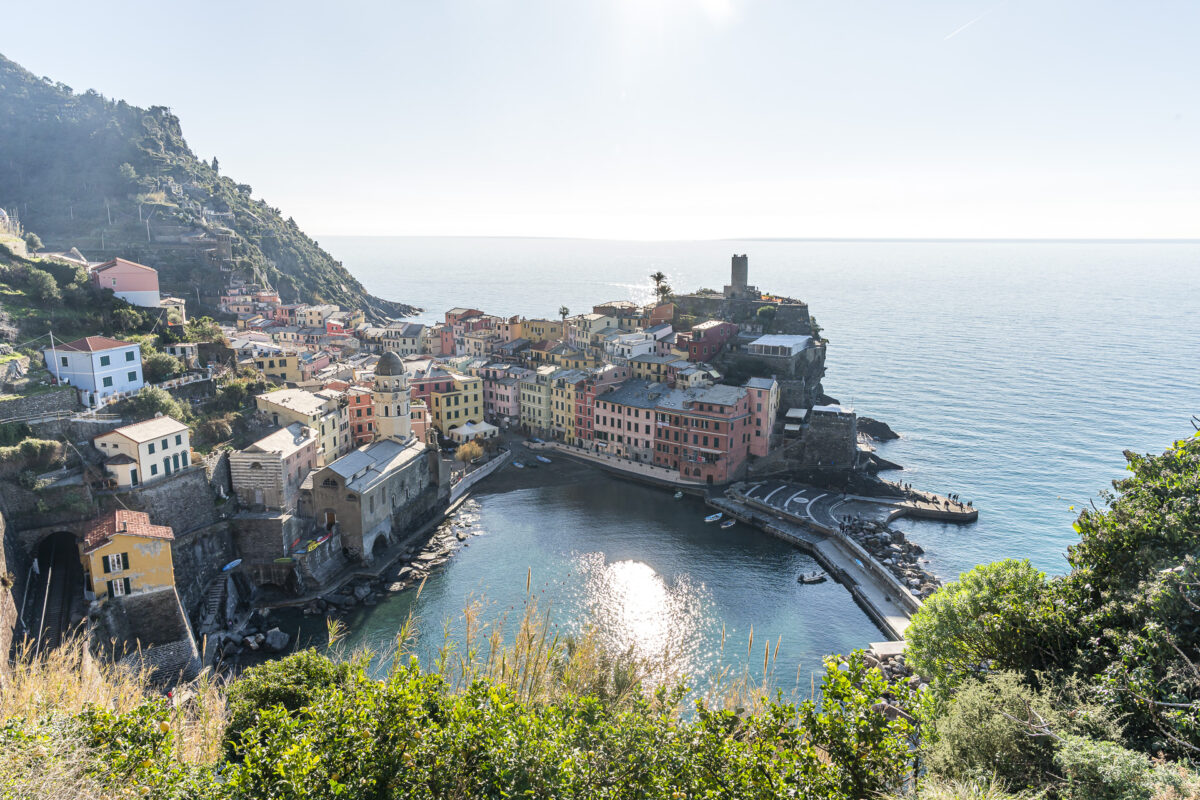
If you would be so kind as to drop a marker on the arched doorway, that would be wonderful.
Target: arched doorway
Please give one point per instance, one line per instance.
(56, 601)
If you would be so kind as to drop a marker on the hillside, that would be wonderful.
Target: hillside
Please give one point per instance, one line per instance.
(113, 179)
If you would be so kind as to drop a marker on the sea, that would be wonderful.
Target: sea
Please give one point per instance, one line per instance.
(1015, 372)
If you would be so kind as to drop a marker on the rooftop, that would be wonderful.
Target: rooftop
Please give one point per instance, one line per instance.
(367, 466)
(761, 383)
(299, 400)
(284, 441)
(121, 522)
(636, 393)
(91, 344)
(149, 430)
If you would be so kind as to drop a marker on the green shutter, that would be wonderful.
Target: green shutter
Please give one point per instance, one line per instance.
(104, 562)
(126, 585)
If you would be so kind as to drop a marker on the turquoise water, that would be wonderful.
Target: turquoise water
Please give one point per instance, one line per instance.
(1016, 374)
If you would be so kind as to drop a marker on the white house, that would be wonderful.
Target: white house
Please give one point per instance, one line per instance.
(145, 451)
(97, 366)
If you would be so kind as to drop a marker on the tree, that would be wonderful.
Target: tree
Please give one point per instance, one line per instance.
(33, 242)
(126, 319)
(661, 290)
(216, 167)
(468, 451)
(563, 311)
(151, 401)
(42, 286)
(158, 367)
(203, 329)
(997, 616)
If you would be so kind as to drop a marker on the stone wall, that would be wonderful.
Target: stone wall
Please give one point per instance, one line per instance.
(216, 468)
(77, 429)
(263, 537)
(184, 500)
(198, 556)
(148, 630)
(54, 402)
(315, 568)
(14, 569)
(57, 505)
(799, 376)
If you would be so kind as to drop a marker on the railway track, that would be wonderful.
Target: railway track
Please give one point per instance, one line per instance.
(58, 593)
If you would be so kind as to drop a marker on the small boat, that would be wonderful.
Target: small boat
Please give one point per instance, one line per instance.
(231, 565)
(535, 440)
(729, 523)
(518, 465)
(543, 459)
(679, 495)
(713, 517)
(812, 577)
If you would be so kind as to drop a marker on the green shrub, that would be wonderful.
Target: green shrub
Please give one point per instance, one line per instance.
(1000, 616)
(1095, 770)
(291, 683)
(158, 367)
(42, 286)
(151, 400)
(32, 455)
(999, 727)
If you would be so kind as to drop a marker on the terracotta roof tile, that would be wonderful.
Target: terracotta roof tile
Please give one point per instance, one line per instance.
(91, 344)
(128, 523)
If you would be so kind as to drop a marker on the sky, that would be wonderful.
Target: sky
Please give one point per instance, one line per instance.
(667, 119)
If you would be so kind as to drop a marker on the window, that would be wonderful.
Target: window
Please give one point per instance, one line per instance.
(129, 355)
(115, 562)
(166, 443)
(105, 361)
(151, 449)
(183, 457)
(107, 381)
(118, 587)
(133, 478)
(179, 438)
(64, 361)
(153, 469)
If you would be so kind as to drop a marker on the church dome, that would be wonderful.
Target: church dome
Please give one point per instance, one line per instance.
(390, 365)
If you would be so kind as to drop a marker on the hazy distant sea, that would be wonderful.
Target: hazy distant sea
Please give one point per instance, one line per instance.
(1015, 372)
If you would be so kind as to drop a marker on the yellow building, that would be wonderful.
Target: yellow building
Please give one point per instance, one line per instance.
(314, 316)
(283, 365)
(145, 451)
(569, 357)
(542, 330)
(536, 412)
(461, 403)
(124, 554)
(655, 368)
(562, 403)
(324, 412)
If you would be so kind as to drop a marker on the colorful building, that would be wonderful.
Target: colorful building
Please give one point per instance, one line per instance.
(134, 283)
(764, 407)
(458, 404)
(624, 419)
(703, 433)
(144, 452)
(708, 338)
(323, 412)
(269, 472)
(97, 366)
(123, 554)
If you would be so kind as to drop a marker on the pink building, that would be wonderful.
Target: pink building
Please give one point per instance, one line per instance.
(501, 392)
(764, 406)
(623, 419)
(704, 433)
(134, 283)
(707, 339)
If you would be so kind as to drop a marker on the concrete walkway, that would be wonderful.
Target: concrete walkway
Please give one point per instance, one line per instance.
(884, 604)
(634, 469)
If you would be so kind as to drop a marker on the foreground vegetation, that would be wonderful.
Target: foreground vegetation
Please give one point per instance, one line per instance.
(1080, 687)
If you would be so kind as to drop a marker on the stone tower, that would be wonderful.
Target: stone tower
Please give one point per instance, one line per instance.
(393, 418)
(739, 277)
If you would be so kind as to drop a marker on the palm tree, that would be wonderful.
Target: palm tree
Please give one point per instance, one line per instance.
(658, 278)
(563, 311)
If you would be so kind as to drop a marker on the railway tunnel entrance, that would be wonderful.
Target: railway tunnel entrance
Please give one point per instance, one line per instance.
(59, 604)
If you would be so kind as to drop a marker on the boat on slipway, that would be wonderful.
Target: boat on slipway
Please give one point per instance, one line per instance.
(543, 459)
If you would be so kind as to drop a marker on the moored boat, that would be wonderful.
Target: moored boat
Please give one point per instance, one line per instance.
(543, 459)
(813, 577)
(729, 523)
(518, 465)
(713, 517)
(679, 495)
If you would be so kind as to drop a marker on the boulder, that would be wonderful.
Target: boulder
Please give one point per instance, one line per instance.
(276, 640)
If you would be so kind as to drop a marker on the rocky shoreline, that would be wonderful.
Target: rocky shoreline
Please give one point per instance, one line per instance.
(891, 548)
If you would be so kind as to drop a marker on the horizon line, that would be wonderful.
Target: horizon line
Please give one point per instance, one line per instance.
(872, 239)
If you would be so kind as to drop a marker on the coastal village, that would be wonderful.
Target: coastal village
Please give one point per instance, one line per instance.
(361, 435)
